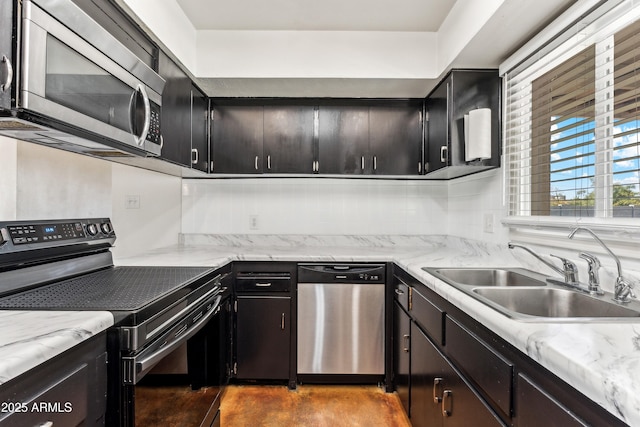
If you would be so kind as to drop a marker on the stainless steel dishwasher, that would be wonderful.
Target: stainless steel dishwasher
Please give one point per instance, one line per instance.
(341, 319)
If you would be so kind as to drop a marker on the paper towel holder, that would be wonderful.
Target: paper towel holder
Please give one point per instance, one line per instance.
(477, 135)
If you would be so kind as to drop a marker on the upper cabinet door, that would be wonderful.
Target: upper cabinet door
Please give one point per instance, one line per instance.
(343, 139)
(395, 139)
(176, 112)
(288, 139)
(459, 93)
(237, 138)
(199, 130)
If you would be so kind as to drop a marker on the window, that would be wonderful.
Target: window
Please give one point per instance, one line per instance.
(573, 122)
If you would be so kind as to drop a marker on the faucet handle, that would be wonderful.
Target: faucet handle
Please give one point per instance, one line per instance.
(594, 279)
(623, 291)
(570, 270)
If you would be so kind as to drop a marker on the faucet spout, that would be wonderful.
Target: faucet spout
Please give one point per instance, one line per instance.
(544, 261)
(597, 239)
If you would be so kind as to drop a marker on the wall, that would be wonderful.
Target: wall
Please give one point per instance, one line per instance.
(323, 206)
(38, 182)
(476, 207)
(146, 210)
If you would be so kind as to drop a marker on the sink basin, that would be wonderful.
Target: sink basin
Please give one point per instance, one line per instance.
(485, 276)
(525, 295)
(552, 302)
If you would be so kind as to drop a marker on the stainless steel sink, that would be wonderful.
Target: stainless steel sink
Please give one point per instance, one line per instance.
(552, 302)
(487, 277)
(526, 296)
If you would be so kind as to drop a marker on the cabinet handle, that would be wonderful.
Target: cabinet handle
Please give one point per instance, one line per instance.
(410, 299)
(362, 162)
(443, 153)
(269, 162)
(406, 338)
(399, 292)
(447, 403)
(194, 156)
(282, 322)
(47, 424)
(375, 163)
(263, 285)
(419, 167)
(211, 166)
(255, 163)
(436, 383)
(6, 64)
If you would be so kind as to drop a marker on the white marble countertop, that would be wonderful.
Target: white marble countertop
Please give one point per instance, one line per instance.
(601, 360)
(29, 338)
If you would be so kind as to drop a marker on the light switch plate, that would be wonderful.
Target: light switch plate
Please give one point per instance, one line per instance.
(488, 223)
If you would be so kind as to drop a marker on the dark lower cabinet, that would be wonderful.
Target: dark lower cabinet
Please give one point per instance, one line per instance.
(439, 394)
(68, 390)
(401, 354)
(534, 404)
(263, 335)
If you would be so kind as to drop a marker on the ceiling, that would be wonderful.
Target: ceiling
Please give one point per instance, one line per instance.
(317, 15)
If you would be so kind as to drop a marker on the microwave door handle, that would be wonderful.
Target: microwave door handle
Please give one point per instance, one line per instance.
(147, 114)
(6, 64)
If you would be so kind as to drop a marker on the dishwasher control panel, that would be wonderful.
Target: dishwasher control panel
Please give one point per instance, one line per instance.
(341, 273)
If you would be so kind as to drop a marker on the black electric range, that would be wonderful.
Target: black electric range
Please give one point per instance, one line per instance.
(68, 265)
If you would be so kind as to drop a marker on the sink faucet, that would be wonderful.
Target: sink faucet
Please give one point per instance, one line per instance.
(623, 291)
(569, 270)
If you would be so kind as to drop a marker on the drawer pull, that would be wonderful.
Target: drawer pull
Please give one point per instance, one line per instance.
(263, 285)
(47, 424)
(447, 403)
(436, 383)
(406, 338)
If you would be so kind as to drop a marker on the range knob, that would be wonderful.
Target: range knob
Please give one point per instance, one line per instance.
(106, 228)
(92, 229)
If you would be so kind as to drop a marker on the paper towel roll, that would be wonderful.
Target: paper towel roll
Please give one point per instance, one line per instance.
(477, 132)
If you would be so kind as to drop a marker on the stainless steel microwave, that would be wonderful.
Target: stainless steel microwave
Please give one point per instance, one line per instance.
(79, 88)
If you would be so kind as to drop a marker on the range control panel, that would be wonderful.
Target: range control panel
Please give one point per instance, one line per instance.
(52, 233)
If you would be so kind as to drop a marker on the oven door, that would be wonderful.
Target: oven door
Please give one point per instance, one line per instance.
(136, 366)
(69, 80)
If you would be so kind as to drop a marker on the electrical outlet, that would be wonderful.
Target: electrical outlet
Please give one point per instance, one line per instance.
(488, 223)
(132, 202)
(253, 222)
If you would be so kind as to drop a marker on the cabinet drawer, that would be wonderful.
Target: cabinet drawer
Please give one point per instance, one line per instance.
(427, 315)
(490, 371)
(61, 402)
(401, 293)
(263, 282)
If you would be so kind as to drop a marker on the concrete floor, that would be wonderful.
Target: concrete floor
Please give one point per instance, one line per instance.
(311, 406)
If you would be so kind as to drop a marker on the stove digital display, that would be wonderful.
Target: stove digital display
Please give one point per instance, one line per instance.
(45, 233)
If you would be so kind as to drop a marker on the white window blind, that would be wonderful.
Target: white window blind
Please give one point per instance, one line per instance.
(572, 122)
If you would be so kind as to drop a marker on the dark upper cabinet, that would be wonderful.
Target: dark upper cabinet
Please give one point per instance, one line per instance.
(199, 130)
(176, 112)
(7, 52)
(460, 92)
(237, 133)
(343, 139)
(395, 139)
(288, 139)
(371, 138)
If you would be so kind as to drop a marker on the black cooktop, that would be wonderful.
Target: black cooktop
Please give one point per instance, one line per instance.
(130, 290)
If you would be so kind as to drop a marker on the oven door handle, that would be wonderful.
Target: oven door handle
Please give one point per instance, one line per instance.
(136, 367)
